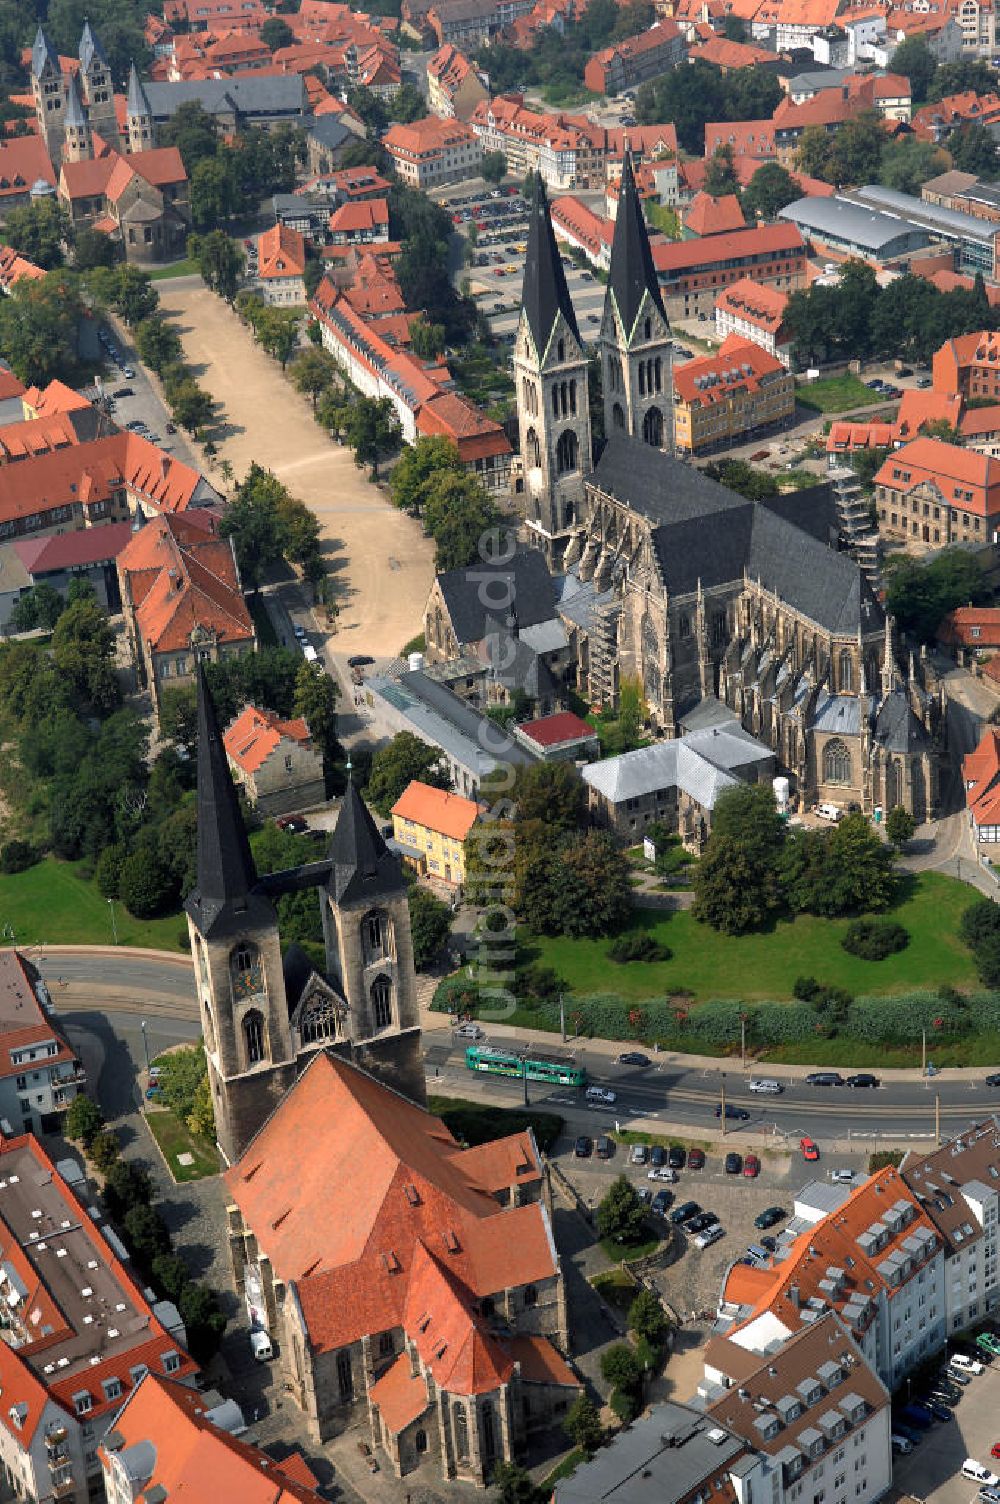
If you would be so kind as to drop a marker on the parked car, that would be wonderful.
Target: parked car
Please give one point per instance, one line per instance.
(171, 428)
(667, 1175)
(470, 1031)
(977, 1473)
(123, 391)
(360, 660)
(768, 1217)
(657, 1156)
(809, 1149)
(995, 1449)
(990, 1495)
(842, 1177)
(900, 1446)
(824, 1078)
(938, 1410)
(733, 1163)
(605, 1147)
(703, 1220)
(696, 1159)
(769, 1243)
(638, 1154)
(739, 1114)
(913, 1436)
(676, 1157)
(632, 1057)
(681, 1213)
(965, 1364)
(863, 1078)
(751, 1166)
(924, 382)
(661, 1202)
(584, 1146)
(601, 1096)
(711, 1235)
(916, 1415)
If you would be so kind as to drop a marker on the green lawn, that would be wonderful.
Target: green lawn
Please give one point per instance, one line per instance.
(185, 268)
(53, 904)
(174, 1138)
(765, 965)
(835, 394)
(615, 1252)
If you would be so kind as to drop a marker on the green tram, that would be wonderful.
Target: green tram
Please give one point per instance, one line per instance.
(522, 1060)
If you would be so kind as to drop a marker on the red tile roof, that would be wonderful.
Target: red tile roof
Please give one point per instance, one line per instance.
(971, 627)
(23, 161)
(179, 579)
(196, 1461)
(410, 1229)
(755, 302)
(738, 365)
(725, 54)
(255, 734)
(981, 776)
(436, 809)
(22, 441)
(57, 397)
(453, 417)
(714, 216)
(965, 479)
(685, 255)
(282, 253)
(361, 214)
(400, 1396)
(76, 550)
(553, 730)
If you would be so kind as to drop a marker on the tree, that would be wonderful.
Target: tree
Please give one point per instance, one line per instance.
(146, 1233)
(621, 1367)
(39, 231)
(193, 131)
(856, 153)
(204, 1322)
(201, 1118)
(430, 926)
(277, 329)
(214, 192)
(373, 432)
(313, 373)
(583, 1424)
(920, 595)
(157, 343)
(426, 340)
(397, 764)
(83, 649)
(695, 95)
(621, 1216)
(179, 718)
(316, 701)
(720, 174)
(190, 404)
(647, 1318)
(812, 155)
(457, 513)
(908, 163)
(129, 290)
(170, 1273)
(493, 166)
(276, 33)
(514, 1486)
(737, 475)
(83, 1121)
(552, 792)
(127, 1184)
(417, 466)
(914, 59)
(219, 260)
(967, 76)
(105, 1150)
(91, 249)
(899, 826)
(737, 884)
(40, 605)
(39, 325)
(592, 895)
(769, 190)
(974, 149)
(145, 885)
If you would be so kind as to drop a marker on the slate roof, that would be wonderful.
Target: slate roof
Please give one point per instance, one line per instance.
(701, 764)
(43, 52)
(226, 871)
(896, 727)
(362, 866)
(90, 48)
(663, 1457)
(250, 94)
(705, 532)
(544, 293)
(524, 580)
(837, 713)
(632, 272)
(137, 102)
(74, 105)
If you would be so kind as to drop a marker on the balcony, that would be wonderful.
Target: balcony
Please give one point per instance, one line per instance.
(63, 1488)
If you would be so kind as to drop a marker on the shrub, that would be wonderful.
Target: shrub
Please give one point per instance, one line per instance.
(648, 1319)
(171, 1274)
(17, 856)
(621, 1368)
(625, 1406)
(882, 1159)
(203, 1321)
(108, 872)
(583, 1424)
(874, 939)
(638, 947)
(127, 1185)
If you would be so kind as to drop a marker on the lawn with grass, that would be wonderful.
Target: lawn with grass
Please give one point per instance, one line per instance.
(183, 268)
(617, 1288)
(835, 394)
(766, 964)
(564, 1469)
(615, 1252)
(174, 1137)
(54, 904)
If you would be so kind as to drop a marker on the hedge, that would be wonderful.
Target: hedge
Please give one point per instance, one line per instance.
(898, 1018)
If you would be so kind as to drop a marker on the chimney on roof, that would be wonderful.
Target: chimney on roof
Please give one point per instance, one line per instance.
(164, 465)
(172, 577)
(793, 1295)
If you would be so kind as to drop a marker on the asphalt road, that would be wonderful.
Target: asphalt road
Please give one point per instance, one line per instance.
(687, 1098)
(134, 985)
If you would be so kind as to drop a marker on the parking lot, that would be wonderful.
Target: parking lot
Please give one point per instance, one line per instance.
(691, 1282)
(132, 400)
(932, 1471)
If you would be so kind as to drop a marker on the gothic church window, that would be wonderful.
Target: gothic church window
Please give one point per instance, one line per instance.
(319, 1021)
(836, 763)
(647, 329)
(534, 454)
(652, 428)
(382, 1002)
(375, 931)
(567, 452)
(718, 629)
(561, 350)
(345, 1378)
(461, 1432)
(253, 1036)
(846, 672)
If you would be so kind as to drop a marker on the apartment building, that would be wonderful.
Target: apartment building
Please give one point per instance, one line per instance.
(729, 396)
(575, 224)
(281, 266)
(567, 151)
(755, 313)
(78, 1334)
(454, 86)
(958, 1189)
(39, 1072)
(814, 1417)
(627, 64)
(674, 1454)
(935, 493)
(692, 272)
(431, 151)
(871, 1254)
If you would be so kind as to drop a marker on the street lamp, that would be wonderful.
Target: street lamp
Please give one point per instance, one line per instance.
(145, 1043)
(114, 925)
(524, 1078)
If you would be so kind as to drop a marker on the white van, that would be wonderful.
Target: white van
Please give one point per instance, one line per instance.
(976, 1473)
(601, 1094)
(766, 1087)
(830, 812)
(901, 1446)
(260, 1345)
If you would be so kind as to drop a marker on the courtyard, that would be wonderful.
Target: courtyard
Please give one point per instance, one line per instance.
(379, 559)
